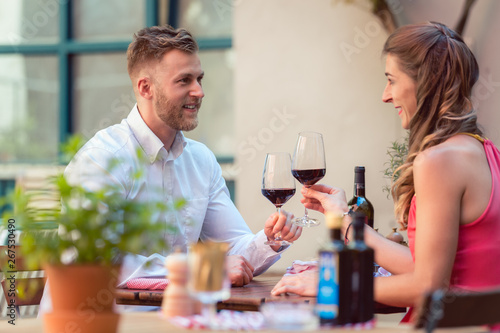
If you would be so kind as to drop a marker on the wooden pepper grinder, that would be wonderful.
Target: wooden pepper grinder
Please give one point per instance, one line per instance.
(176, 298)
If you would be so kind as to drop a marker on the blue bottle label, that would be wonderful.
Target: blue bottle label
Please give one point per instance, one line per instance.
(327, 302)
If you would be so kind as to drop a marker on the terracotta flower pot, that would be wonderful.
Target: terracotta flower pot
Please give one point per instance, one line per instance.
(70, 321)
(82, 298)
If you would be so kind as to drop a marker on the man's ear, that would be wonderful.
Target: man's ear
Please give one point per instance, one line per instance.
(144, 87)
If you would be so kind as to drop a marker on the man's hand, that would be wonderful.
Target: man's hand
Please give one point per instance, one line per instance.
(283, 223)
(239, 270)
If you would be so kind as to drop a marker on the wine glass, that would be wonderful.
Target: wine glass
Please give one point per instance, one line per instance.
(208, 280)
(308, 167)
(278, 185)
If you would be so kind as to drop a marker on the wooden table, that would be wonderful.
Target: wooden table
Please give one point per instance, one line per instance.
(246, 298)
(153, 322)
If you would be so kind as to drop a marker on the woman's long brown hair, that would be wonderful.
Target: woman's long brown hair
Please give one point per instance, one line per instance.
(445, 70)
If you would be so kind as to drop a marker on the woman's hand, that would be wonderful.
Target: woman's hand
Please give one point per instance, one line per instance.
(324, 198)
(303, 284)
(290, 232)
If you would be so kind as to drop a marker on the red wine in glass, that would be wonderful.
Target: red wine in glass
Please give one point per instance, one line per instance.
(308, 167)
(309, 177)
(278, 196)
(278, 185)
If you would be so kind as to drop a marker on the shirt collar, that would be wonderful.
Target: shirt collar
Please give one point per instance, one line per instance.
(150, 143)
(177, 146)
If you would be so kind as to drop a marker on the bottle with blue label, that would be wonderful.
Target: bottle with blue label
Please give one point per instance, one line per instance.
(333, 265)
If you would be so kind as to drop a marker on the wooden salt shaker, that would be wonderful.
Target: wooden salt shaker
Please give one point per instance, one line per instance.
(176, 298)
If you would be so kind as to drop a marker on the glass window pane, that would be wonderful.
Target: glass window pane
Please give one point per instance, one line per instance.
(28, 22)
(107, 20)
(216, 117)
(103, 92)
(29, 130)
(207, 19)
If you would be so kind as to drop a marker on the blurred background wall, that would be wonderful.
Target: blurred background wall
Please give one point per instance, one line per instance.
(273, 68)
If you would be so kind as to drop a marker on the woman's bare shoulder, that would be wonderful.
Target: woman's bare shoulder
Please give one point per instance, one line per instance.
(457, 160)
(455, 152)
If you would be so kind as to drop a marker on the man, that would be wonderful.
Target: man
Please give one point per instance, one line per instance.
(166, 75)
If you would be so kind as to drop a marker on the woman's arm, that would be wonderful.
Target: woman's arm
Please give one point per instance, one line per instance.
(394, 257)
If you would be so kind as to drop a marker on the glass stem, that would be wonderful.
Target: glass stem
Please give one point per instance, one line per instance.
(305, 209)
(209, 311)
(277, 236)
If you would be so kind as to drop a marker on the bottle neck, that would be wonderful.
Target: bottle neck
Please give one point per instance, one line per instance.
(359, 189)
(358, 223)
(359, 183)
(359, 235)
(334, 234)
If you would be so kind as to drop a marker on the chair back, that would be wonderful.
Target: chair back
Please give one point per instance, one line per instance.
(458, 308)
(21, 285)
(37, 182)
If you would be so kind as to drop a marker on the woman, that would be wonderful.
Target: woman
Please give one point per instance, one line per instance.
(448, 192)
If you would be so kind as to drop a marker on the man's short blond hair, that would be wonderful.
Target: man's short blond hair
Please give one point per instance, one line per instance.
(150, 44)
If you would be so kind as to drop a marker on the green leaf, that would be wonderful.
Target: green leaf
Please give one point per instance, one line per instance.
(397, 153)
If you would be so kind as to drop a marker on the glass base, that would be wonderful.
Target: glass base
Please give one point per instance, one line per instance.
(208, 297)
(306, 222)
(277, 242)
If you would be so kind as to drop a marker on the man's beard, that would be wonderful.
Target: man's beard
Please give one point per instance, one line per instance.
(173, 115)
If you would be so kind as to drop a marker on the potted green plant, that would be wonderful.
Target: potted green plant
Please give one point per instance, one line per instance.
(82, 257)
(397, 153)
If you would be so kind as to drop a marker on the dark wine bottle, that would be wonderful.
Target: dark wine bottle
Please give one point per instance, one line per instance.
(359, 202)
(362, 258)
(333, 297)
